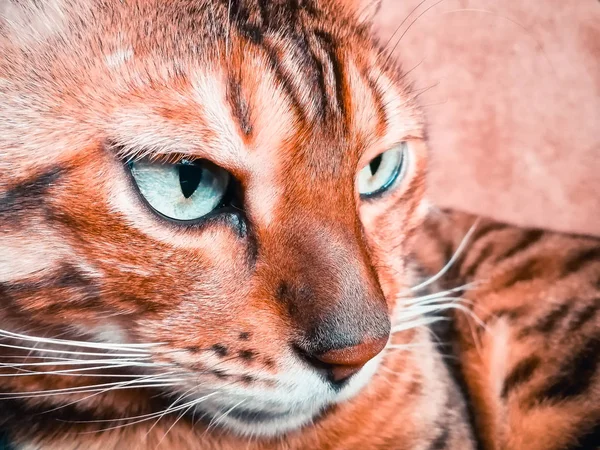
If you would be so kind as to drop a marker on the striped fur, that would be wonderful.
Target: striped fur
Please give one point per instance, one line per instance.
(533, 371)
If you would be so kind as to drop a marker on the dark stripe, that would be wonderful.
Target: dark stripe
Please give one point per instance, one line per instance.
(575, 375)
(547, 323)
(440, 442)
(589, 439)
(66, 276)
(309, 7)
(483, 255)
(445, 246)
(520, 374)
(585, 258)
(319, 81)
(528, 239)
(68, 289)
(527, 271)
(331, 49)
(28, 195)
(239, 19)
(263, 8)
(285, 80)
(510, 313)
(582, 317)
(239, 106)
(447, 333)
(525, 242)
(21, 416)
(482, 232)
(379, 104)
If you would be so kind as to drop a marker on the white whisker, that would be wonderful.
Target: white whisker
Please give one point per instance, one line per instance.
(155, 379)
(135, 361)
(46, 350)
(72, 372)
(183, 412)
(215, 420)
(82, 390)
(416, 323)
(407, 347)
(145, 417)
(438, 301)
(85, 344)
(166, 411)
(452, 260)
(463, 287)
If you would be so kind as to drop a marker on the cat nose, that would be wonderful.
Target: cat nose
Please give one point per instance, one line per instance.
(344, 362)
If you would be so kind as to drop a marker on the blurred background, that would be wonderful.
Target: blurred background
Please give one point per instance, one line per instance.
(511, 91)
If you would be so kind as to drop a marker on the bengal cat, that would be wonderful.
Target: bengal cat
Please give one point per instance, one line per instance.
(214, 234)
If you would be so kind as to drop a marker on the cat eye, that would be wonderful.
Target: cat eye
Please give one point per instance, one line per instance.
(185, 191)
(382, 172)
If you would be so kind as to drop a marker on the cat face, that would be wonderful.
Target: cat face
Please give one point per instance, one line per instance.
(233, 185)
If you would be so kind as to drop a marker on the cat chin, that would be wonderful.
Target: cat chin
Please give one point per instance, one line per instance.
(248, 421)
(255, 424)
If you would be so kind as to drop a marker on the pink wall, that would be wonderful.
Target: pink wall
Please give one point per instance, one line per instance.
(513, 105)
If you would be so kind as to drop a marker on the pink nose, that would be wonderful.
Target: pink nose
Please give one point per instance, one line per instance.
(345, 362)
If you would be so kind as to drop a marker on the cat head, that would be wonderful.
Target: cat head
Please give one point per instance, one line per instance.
(225, 187)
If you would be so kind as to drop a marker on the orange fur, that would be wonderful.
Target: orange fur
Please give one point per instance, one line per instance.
(292, 99)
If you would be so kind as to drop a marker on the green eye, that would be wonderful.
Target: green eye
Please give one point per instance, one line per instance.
(382, 172)
(184, 191)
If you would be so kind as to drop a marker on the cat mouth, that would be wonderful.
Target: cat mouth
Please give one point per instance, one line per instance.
(261, 422)
(254, 415)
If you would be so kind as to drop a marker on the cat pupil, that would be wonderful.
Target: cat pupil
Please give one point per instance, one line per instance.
(190, 176)
(375, 163)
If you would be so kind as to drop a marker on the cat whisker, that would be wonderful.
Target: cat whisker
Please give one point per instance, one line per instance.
(416, 323)
(55, 358)
(185, 394)
(439, 294)
(183, 413)
(391, 51)
(69, 352)
(75, 372)
(400, 26)
(69, 373)
(158, 379)
(88, 389)
(439, 301)
(418, 92)
(450, 263)
(145, 417)
(420, 310)
(142, 348)
(409, 313)
(406, 346)
(220, 418)
(115, 361)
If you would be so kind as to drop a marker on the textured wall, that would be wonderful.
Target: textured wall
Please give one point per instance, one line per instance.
(512, 95)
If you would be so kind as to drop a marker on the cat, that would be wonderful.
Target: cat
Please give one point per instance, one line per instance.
(215, 235)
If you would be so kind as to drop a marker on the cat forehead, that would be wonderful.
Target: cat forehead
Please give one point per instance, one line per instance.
(32, 20)
(159, 77)
(249, 112)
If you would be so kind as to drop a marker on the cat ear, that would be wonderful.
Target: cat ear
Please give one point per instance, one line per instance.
(364, 10)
